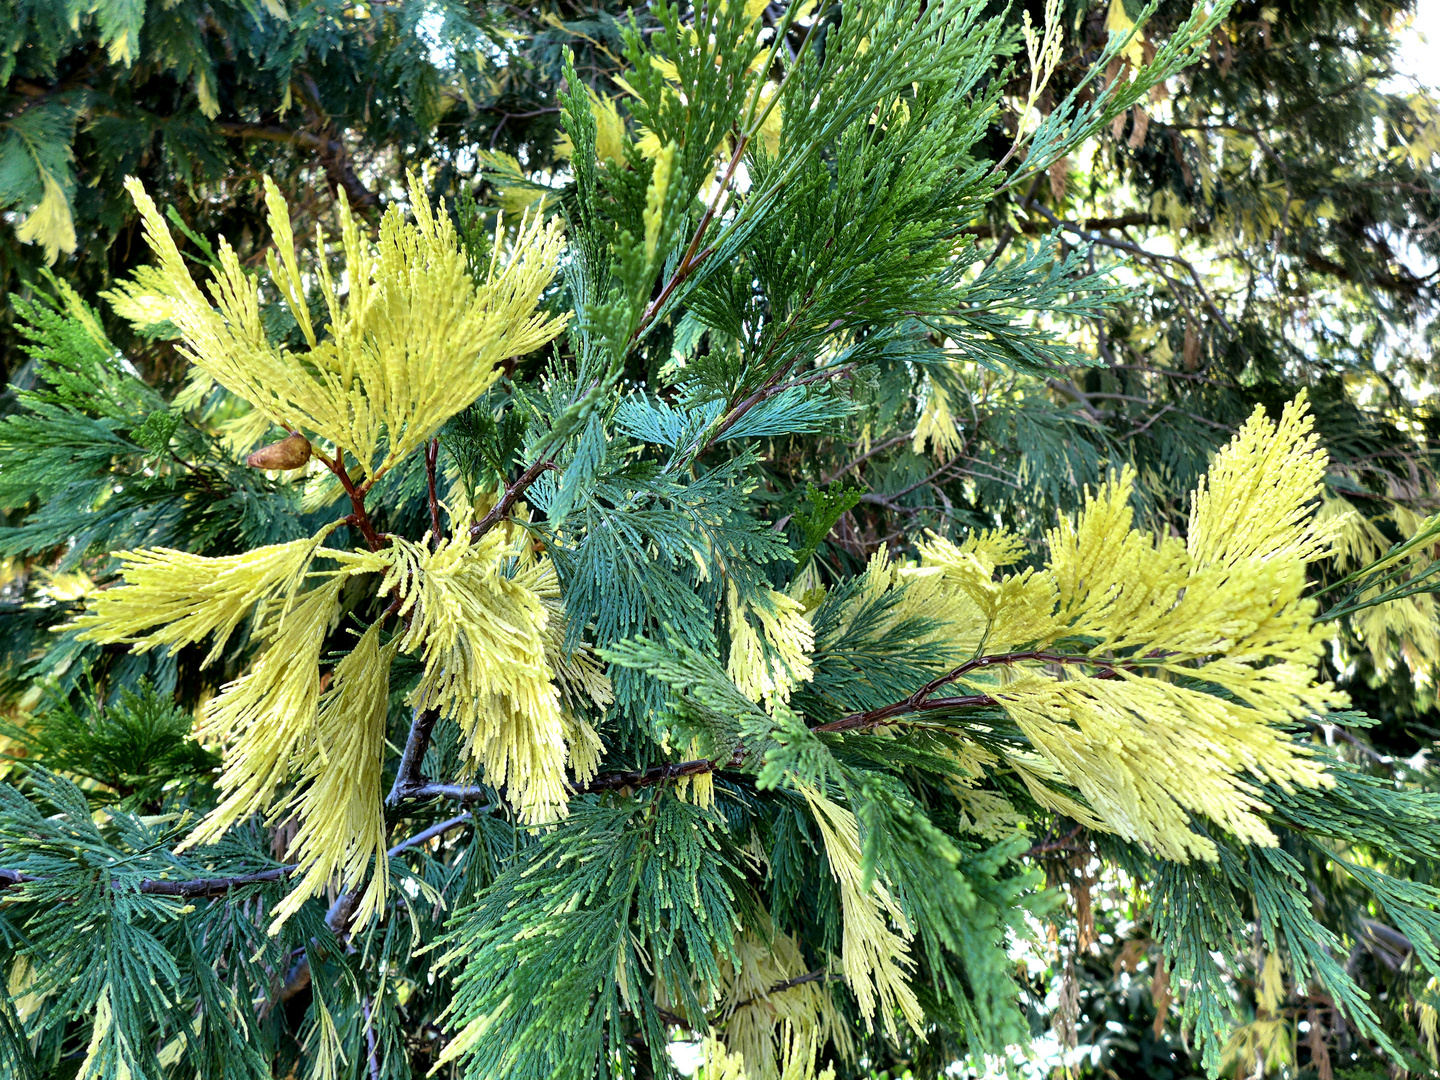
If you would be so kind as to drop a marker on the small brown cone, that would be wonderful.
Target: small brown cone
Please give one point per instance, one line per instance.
(289, 453)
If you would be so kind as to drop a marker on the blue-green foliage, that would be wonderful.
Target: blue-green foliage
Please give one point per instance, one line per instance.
(138, 746)
(570, 938)
(154, 968)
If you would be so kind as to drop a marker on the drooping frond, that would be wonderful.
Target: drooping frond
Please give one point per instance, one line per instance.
(342, 826)
(769, 1001)
(936, 427)
(875, 958)
(983, 612)
(578, 673)
(265, 717)
(484, 639)
(1412, 622)
(896, 597)
(175, 598)
(1147, 753)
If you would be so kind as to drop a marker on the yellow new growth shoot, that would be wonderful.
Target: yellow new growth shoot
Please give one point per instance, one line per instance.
(609, 131)
(768, 1027)
(413, 342)
(876, 959)
(1144, 619)
(1044, 50)
(265, 718)
(937, 426)
(486, 642)
(770, 674)
(1411, 621)
(655, 196)
(175, 598)
(342, 826)
(493, 644)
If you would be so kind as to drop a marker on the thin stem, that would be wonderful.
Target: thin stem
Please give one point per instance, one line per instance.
(428, 789)
(920, 699)
(193, 889)
(1142, 252)
(408, 777)
(359, 516)
(509, 498)
(432, 454)
(780, 987)
(440, 828)
(343, 910)
(656, 774)
(1065, 843)
(693, 256)
(875, 449)
(765, 393)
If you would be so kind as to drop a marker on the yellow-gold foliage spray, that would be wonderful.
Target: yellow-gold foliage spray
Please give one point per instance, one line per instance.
(413, 342)
(768, 669)
(175, 598)
(874, 957)
(342, 826)
(1139, 618)
(265, 717)
(771, 1015)
(414, 339)
(485, 640)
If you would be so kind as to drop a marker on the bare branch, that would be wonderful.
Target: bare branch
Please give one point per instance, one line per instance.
(510, 497)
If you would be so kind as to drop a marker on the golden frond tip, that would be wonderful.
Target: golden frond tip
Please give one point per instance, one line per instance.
(1141, 618)
(416, 339)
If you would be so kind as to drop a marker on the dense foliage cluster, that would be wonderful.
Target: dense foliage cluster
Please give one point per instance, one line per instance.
(541, 542)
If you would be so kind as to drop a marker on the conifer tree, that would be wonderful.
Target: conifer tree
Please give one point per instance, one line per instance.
(458, 674)
(198, 98)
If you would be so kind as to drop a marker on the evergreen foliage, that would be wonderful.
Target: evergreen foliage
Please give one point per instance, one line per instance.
(611, 521)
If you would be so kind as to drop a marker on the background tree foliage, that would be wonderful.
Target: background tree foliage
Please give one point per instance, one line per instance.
(1269, 211)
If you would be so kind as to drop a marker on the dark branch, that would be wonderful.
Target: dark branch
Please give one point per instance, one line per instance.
(1064, 843)
(371, 1056)
(921, 699)
(333, 155)
(1032, 227)
(342, 911)
(408, 777)
(676, 1020)
(424, 836)
(511, 496)
(788, 984)
(657, 774)
(194, 888)
(693, 256)
(765, 393)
